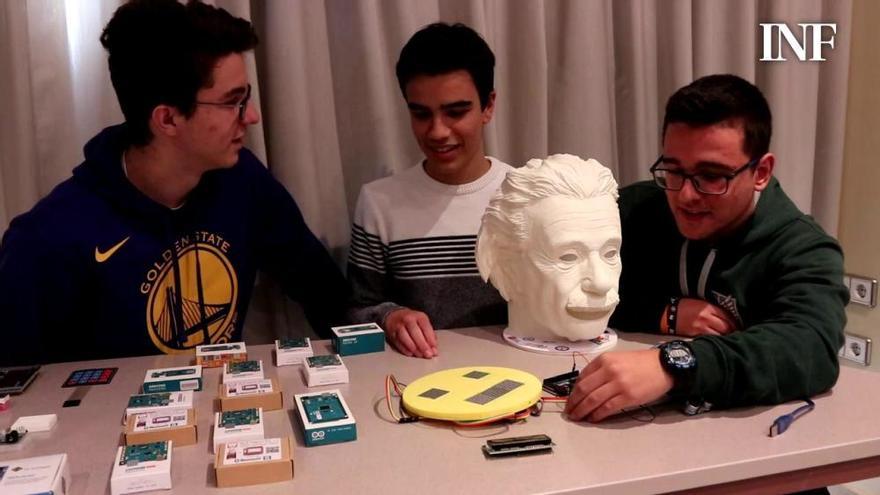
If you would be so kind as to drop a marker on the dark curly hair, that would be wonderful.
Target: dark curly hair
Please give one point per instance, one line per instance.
(441, 48)
(162, 52)
(724, 97)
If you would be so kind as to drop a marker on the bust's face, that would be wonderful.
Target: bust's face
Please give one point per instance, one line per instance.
(568, 275)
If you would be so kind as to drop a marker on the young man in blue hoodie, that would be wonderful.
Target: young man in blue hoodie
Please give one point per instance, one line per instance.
(154, 244)
(714, 249)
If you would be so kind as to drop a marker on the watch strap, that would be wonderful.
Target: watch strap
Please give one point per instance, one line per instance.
(672, 315)
(683, 376)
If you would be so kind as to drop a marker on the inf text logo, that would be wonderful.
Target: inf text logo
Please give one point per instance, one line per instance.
(808, 47)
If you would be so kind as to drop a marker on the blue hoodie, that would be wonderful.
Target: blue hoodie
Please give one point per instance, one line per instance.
(97, 269)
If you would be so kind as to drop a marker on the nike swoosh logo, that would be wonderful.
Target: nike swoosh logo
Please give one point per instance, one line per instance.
(102, 257)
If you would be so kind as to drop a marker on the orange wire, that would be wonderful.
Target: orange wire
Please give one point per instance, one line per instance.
(512, 417)
(388, 380)
(585, 358)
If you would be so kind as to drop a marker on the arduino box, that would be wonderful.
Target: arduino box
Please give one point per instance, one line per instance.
(215, 355)
(325, 418)
(254, 461)
(324, 370)
(358, 339)
(237, 426)
(176, 425)
(159, 401)
(48, 474)
(242, 371)
(252, 394)
(173, 379)
(292, 351)
(141, 468)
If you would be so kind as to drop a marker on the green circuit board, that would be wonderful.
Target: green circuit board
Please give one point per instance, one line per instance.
(358, 328)
(289, 343)
(170, 373)
(221, 347)
(323, 408)
(243, 367)
(150, 400)
(133, 455)
(323, 361)
(231, 419)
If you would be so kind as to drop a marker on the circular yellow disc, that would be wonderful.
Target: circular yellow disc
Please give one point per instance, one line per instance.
(474, 393)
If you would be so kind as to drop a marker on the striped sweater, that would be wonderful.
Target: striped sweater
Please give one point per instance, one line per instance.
(412, 245)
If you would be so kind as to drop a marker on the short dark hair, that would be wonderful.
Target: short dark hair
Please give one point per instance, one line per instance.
(441, 48)
(162, 52)
(724, 97)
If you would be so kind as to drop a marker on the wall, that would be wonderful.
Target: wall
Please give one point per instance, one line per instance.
(859, 228)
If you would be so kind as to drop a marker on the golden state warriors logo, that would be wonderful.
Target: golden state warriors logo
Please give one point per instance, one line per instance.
(193, 292)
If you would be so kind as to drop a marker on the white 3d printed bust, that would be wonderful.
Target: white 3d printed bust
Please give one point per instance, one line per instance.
(550, 243)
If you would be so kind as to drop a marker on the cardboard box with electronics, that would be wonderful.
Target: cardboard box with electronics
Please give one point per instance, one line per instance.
(253, 462)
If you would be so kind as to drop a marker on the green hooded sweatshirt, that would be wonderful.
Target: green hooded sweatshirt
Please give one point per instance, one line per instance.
(780, 276)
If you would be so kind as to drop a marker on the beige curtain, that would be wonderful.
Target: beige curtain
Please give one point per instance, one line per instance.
(588, 77)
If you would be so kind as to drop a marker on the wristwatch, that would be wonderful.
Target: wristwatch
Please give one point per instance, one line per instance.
(678, 359)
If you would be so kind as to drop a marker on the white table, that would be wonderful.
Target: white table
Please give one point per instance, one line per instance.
(719, 452)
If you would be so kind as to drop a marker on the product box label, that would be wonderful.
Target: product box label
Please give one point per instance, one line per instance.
(252, 451)
(173, 379)
(247, 388)
(157, 420)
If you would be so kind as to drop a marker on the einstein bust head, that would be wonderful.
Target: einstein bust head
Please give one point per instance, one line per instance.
(550, 243)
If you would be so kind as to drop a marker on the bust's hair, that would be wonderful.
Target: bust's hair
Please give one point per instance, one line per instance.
(505, 225)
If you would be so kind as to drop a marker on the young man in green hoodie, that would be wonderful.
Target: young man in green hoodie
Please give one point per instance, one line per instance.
(714, 249)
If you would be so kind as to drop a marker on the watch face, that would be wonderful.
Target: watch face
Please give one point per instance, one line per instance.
(679, 355)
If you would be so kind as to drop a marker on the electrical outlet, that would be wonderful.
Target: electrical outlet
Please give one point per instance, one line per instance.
(856, 348)
(862, 290)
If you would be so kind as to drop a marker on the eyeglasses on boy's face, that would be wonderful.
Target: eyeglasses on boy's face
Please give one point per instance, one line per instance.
(241, 104)
(704, 182)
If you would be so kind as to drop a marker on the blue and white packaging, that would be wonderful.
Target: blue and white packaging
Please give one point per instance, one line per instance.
(173, 379)
(358, 339)
(49, 474)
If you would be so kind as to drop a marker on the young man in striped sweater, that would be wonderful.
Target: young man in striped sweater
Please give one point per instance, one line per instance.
(412, 260)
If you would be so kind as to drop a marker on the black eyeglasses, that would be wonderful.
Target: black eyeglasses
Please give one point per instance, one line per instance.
(706, 183)
(242, 105)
